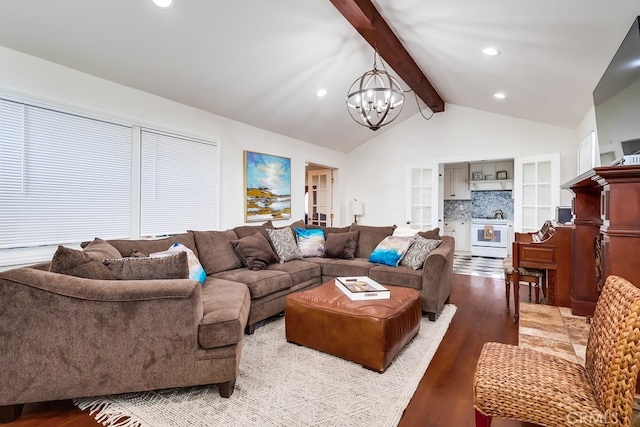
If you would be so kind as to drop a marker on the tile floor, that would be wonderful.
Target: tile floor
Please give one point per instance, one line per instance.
(553, 330)
(478, 266)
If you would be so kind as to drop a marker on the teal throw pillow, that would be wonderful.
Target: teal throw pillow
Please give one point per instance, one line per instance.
(310, 242)
(391, 250)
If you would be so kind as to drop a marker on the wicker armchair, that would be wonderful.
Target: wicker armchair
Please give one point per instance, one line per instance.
(526, 385)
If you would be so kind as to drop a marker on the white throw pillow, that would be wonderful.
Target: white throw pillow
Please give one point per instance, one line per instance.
(405, 232)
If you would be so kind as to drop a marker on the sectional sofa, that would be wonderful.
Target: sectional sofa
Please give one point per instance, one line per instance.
(65, 336)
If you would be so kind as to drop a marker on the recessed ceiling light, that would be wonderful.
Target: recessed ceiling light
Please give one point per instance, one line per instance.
(165, 4)
(491, 51)
(500, 95)
(321, 93)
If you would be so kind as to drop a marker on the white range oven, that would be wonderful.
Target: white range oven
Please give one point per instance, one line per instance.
(490, 237)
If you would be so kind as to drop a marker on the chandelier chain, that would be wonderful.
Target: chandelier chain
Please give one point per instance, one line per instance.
(420, 108)
(375, 51)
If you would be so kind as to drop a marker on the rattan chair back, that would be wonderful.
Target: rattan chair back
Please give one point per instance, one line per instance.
(613, 348)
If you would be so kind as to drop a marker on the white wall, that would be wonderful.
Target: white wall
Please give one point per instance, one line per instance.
(376, 173)
(45, 81)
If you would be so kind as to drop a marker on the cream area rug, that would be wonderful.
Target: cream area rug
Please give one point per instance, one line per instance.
(283, 384)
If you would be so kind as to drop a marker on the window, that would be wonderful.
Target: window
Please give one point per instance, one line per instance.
(63, 178)
(179, 188)
(66, 178)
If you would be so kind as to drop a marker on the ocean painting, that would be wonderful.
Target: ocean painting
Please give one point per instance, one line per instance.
(267, 187)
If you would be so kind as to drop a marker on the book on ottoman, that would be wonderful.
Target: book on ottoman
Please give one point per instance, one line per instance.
(360, 288)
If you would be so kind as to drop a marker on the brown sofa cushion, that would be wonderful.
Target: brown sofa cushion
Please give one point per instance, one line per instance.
(255, 251)
(261, 283)
(431, 234)
(350, 267)
(332, 230)
(299, 270)
(215, 250)
(127, 248)
(226, 308)
(299, 223)
(369, 238)
(341, 245)
(399, 276)
(169, 267)
(250, 230)
(101, 249)
(77, 263)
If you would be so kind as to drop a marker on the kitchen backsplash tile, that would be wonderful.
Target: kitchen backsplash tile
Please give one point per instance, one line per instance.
(485, 203)
(452, 210)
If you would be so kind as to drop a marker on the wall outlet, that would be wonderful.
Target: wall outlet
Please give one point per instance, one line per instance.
(461, 206)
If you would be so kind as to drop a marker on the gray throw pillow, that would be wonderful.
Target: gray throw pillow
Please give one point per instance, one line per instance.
(418, 252)
(284, 244)
(169, 267)
(255, 251)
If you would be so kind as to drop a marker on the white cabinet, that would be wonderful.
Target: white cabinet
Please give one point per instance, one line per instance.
(456, 184)
(461, 231)
(491, 175)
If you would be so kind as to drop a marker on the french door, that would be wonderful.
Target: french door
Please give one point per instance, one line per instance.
(320, 199)
(422, 191)
(536, 190)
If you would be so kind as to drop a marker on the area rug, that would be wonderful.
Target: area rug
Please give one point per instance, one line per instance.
(283, 384)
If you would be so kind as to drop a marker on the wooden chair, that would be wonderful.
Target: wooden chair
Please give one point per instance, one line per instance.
(530, 386)
(528, 275)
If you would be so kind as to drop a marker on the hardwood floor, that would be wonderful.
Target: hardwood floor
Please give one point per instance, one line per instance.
(444, 396)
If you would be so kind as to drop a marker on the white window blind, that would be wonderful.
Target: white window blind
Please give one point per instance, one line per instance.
(179, 184)
(63, 178)
(587, 153)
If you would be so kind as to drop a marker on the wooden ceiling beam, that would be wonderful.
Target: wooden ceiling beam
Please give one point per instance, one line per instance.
(365, 18)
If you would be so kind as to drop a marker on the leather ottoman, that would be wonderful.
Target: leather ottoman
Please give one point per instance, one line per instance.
(370, 332)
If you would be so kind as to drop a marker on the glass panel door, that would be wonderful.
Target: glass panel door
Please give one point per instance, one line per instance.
(320, 199)
(422, 197)
(536, 191)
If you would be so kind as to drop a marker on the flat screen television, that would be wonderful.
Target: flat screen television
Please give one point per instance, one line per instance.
(616, 99)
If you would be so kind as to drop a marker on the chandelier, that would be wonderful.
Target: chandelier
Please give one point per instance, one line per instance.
(376, 98)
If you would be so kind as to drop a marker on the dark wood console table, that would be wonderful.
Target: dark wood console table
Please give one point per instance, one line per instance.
(606, 237)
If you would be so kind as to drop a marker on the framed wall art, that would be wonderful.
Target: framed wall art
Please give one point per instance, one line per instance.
(267, 183)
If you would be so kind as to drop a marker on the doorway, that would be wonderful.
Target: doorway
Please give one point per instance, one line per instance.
(319, 195)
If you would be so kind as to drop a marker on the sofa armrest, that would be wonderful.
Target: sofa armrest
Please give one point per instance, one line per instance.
(437, 276)
(63, 336)
(100, 290)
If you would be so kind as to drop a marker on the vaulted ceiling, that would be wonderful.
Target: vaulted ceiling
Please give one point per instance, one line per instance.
(262, 62)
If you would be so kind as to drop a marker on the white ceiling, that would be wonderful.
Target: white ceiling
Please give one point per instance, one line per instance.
(261, 62)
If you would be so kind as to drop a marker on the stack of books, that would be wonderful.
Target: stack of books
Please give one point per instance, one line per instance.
(360, 288)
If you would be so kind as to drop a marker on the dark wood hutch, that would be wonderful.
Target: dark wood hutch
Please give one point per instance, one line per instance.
(606, 238)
